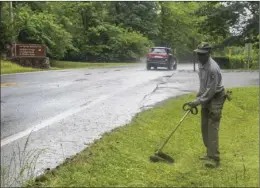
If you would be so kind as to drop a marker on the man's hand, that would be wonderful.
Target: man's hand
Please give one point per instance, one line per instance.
(198, 94)
(193, 103)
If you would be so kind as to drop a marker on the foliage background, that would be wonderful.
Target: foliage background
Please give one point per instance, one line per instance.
(124, 31)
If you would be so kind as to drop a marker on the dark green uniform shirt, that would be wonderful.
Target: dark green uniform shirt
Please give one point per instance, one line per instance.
(210, 81)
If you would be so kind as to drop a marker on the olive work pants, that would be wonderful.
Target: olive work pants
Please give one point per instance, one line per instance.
(211, 114)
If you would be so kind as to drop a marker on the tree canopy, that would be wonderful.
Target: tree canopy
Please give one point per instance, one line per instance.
(122, 31)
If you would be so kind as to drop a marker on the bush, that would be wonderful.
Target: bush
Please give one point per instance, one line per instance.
(240, 62)
(236, 62)
(129, 46)
(255, 62)
(223, 62)
(109, 43)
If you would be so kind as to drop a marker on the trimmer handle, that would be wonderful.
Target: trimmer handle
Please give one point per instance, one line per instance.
(187, 107)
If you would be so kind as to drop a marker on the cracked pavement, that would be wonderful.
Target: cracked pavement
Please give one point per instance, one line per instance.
(64, 111)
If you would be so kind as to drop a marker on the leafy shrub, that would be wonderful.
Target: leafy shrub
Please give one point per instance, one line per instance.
(223, 62)
(107, 42)
(129, 46)
(255, 61)
(236, 62)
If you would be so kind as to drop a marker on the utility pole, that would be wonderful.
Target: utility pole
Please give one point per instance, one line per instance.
(194, 61)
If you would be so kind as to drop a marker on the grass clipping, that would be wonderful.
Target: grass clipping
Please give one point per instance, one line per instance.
(121, 158)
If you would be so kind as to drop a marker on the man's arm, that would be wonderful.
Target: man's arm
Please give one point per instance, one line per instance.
(203, 98)
(199, 92)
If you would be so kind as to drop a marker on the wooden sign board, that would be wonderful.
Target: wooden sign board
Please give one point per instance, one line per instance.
(30, 50)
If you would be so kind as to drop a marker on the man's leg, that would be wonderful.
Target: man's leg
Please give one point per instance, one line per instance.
(215, 114)
(204, 125)
(213, 130)
(204, 129)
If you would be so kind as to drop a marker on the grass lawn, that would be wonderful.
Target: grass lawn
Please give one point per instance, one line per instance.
(121, 157)
(8, 67)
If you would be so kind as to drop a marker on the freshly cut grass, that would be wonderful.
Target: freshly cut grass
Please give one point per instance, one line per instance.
(121, 157)
(68, 64)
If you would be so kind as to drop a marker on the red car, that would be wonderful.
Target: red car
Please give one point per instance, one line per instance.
(161, 57)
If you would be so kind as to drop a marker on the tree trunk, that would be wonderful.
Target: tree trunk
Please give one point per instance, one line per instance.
(1, 10)
(11, 11)
(117, 13)
(163, 24)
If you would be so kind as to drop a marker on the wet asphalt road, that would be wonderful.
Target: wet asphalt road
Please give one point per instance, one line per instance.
(65, 110)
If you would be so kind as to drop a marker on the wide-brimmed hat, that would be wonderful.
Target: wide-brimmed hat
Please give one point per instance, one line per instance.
(203, 48)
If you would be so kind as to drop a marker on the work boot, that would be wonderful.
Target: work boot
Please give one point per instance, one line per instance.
(211, 163)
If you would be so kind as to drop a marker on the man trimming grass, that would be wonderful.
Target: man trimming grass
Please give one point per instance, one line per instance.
(211, 97)
(121, 157)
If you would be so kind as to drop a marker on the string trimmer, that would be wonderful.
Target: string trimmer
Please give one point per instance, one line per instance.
(159, 155)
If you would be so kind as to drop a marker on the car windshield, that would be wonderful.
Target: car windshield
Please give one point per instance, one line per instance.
(158, 50)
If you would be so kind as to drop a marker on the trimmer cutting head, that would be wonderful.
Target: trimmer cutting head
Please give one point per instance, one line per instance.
(161, 157)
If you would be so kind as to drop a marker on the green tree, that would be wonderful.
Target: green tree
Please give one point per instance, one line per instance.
(5, 28)
(230, 22)
(177, 26)
(140, 16)
(114, 31)
(42, 28)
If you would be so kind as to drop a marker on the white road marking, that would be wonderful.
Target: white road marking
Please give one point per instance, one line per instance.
(52, 120)
(59, 117)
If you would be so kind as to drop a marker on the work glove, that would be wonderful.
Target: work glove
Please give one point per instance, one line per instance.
(193, 104)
